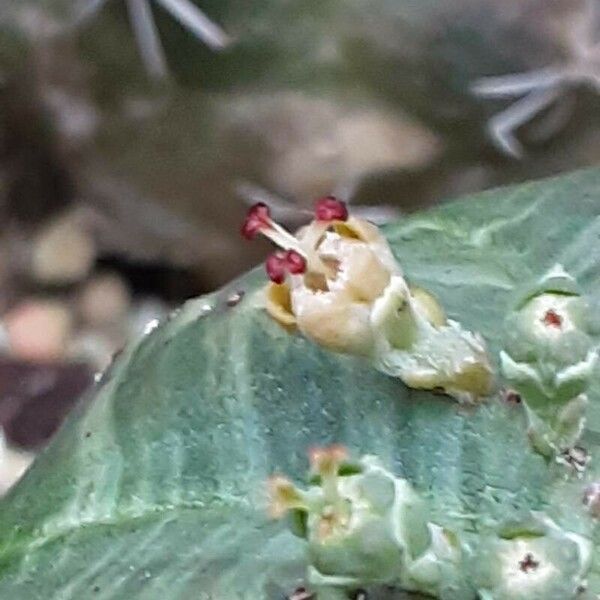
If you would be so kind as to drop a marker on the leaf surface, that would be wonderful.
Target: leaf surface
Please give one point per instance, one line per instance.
(155, 487)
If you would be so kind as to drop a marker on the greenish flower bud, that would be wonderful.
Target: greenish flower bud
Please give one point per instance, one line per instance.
(365, 526)
(549, 357)
(538, 563)
(414, 344)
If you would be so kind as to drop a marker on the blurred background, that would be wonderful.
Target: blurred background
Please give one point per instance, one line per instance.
(134, 134)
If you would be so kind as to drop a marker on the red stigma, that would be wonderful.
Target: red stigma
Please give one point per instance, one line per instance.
(552, 319)
(257, 219)
(276, 267)
(330, 209)
(279, 264)
(295, 262)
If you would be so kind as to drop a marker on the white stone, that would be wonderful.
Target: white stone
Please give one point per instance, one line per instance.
(63, 252)
(38, 330)
(105, 299)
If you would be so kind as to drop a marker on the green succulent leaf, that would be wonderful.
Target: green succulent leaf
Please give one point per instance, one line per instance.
(155, 488)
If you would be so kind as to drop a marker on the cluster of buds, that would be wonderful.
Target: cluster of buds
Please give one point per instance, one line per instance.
(363, 526)
(338, 283)
(548, 358)
(537, 561)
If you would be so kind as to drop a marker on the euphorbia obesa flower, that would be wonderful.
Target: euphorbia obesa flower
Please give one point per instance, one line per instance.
(338, 282)
(364, 525)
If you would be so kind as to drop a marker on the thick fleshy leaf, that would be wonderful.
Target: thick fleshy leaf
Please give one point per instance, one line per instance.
(155, 487)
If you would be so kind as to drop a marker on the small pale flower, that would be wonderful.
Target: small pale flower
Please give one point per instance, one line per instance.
(545, 562)
(364, 525)
(338, 282)
(331, 272)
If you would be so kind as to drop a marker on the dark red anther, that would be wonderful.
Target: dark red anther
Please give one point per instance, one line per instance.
(295, 262)
(280, 263)
(275, 266)
(257, 219)
(552, 319)
(330, 209)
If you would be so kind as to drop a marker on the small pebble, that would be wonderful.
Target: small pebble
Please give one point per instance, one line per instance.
(63, 252)
(105, 299)
(38, 330)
